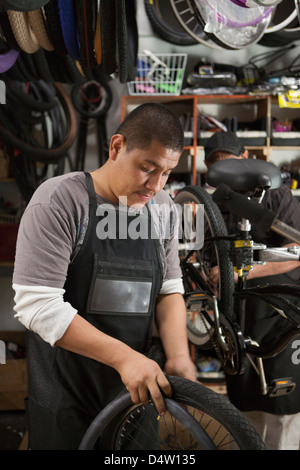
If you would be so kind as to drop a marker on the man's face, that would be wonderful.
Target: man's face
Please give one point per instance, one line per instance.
(225, 156)
(141, 173)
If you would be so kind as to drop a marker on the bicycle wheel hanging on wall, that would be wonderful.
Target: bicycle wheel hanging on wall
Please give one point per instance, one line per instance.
(65, 39)
(166, 24)
(284, 27)
(91, 100)
(190, 20)
(41, 133)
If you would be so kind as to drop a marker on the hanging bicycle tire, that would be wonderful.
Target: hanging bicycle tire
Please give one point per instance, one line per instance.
(188, 16)
(124, 426)
(285, 25)
(215, 249)
(165, 23)
(38, 152)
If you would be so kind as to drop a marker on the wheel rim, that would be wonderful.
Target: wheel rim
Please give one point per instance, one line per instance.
(136, 431)
(205, 258)
(213, 252)
(183, 11)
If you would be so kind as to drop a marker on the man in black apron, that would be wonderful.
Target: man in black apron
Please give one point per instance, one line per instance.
(113, 281)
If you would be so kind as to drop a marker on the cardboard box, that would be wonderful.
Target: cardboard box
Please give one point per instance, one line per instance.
(13, 375)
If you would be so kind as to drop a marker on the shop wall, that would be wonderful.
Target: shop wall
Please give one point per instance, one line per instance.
(148, 40)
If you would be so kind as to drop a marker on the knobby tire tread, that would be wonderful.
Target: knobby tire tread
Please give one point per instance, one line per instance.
(219, 229)
(187, 393)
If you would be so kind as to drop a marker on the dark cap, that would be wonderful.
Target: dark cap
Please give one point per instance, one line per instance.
(224, 142)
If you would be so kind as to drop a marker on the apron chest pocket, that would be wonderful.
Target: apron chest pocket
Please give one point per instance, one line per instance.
(119, 288)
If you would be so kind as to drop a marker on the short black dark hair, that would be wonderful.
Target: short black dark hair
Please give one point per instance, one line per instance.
(152, 121)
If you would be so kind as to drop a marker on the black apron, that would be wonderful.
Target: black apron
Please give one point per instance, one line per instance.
(113, 282)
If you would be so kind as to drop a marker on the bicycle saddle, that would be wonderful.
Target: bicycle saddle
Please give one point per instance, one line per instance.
(245, 175)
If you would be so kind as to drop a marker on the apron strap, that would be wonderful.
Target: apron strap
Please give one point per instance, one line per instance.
(91, 190)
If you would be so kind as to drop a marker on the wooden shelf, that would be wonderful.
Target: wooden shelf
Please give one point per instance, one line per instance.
(249, 108)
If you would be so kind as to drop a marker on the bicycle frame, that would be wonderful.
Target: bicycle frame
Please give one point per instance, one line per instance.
(271, 294)
(243, 255)
(243, 261)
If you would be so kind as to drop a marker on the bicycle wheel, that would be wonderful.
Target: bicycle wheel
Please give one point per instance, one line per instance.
(165, 23)
(284, 27)
(215, 422)
(187, 15)
(215, 252)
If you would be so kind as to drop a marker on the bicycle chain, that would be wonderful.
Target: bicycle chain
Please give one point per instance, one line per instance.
(213, 341)
(211, 335)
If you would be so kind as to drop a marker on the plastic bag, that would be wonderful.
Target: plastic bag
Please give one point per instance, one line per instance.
(235, 25)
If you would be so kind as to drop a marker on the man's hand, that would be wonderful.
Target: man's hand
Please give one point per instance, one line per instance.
(181, 366)
(143, 377)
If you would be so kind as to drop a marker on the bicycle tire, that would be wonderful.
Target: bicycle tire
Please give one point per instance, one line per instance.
(193, 24)
(23, 32)
(284, 35)
(85, 17)
(206, 403)
(132, 40)
(15, 73)
(68, 26)
(269, 40)
(37, 24)
(122, 45)
(54, 28)
(166, 25)
(27, 100)
(42, 66)
(72, 70)
(43, 154)
(282, 24)
(22, 5)
(108, 36)
(7, 32)
(214, 226)
(105, 102)
(28, 64)
(27, 72)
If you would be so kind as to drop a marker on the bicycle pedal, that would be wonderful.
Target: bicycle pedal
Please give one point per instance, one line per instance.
(280, 387)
